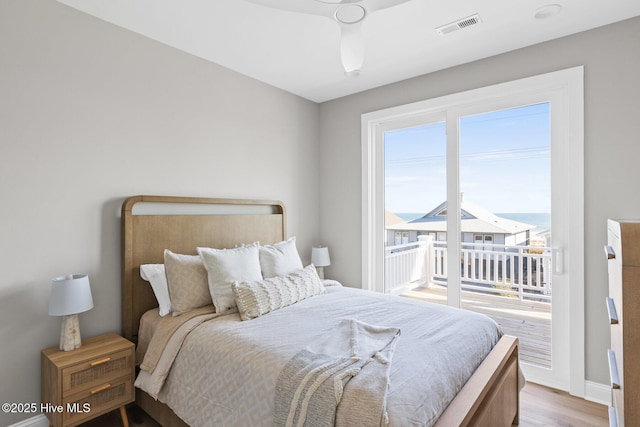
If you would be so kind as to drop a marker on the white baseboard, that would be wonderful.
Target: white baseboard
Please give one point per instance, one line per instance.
(37, 421)
(596, 392)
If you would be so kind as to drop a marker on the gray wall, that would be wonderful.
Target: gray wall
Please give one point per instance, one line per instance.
(611, 59)
(90, 114)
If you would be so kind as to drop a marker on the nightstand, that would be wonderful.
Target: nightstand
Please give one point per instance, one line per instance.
(87, 382)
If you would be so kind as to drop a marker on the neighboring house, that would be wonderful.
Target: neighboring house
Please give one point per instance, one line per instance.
(477, 225)
(392, 219)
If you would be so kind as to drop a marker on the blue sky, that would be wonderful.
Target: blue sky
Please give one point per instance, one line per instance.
(504, 163)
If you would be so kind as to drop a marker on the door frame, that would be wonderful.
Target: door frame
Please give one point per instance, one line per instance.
(566, 89)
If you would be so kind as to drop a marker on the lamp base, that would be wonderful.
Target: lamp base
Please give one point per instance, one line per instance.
(320, 271)
(70, 333)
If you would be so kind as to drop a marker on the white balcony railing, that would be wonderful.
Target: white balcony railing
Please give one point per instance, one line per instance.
(523, 272)
(405, 265)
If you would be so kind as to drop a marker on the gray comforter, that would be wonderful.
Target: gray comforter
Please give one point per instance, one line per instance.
(226, 370)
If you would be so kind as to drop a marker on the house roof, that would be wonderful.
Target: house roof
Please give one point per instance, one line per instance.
(473, 219)
(391, 219)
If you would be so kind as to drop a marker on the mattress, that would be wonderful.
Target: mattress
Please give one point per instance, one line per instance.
(226, 370)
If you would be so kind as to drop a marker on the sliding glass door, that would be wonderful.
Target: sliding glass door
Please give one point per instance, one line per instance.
(467, 201)
(506, 236)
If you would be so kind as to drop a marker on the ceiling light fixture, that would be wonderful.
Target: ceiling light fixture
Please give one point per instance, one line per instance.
(348, 14)
(547, 11)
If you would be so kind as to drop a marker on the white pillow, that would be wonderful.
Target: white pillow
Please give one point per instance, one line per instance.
(155, 275)
(280, 259)
(329, 283)
(227, 265)
(257, 298)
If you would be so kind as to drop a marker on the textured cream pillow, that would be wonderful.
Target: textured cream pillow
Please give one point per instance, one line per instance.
(257, 298)
(280, 259)
(227, 265)
(187, 280)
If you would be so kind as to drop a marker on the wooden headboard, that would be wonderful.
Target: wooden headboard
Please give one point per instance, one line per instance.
(151, 224)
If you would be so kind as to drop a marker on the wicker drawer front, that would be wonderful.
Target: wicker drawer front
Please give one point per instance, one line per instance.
(103, 398)
(96, 372)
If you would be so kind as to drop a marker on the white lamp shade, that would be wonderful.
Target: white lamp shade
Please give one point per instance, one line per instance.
(320, 256)
(70, 295)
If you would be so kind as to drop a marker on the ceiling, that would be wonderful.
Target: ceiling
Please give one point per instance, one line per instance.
(300, 53)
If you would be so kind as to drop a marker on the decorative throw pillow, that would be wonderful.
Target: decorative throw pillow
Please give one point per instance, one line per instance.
(187, 280)
(156, 276)
(227, 265)
(280, 259)
(329, 283)
(257, 298)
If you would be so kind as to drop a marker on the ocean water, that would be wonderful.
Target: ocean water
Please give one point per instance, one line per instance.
(542, 220)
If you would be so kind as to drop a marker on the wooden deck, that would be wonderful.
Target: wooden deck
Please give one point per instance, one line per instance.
(530, 321)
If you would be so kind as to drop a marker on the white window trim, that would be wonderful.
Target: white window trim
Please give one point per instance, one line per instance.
(375, 123)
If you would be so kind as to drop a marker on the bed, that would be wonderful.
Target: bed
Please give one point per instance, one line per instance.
(151, 224)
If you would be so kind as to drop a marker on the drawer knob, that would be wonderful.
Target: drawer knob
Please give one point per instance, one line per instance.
(101, 388)
(101, 361)
(613, 314)
(611, 254)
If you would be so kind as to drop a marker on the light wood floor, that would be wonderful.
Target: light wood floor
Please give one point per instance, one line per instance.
(542, 406)
(539, 406)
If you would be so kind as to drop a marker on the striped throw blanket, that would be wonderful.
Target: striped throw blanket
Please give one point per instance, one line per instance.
(339, 380)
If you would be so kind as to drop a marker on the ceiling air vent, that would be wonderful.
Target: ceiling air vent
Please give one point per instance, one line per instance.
(469, 21)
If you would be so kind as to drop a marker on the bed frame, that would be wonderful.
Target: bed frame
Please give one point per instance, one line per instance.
(151, 224)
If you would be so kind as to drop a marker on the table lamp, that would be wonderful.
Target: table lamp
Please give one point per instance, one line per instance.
(320, 259)
(70, 295)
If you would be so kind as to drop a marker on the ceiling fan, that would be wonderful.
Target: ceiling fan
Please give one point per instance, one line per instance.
(349, 14)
